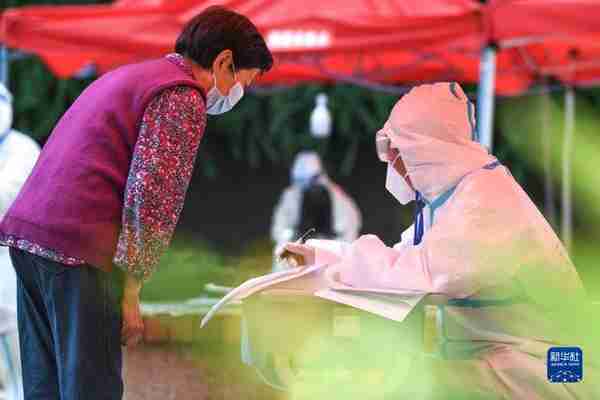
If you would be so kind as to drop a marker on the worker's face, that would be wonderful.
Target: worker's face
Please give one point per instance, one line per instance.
(390, 154)
(398, 165)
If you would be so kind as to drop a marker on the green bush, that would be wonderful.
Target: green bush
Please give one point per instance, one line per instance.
(190, 264)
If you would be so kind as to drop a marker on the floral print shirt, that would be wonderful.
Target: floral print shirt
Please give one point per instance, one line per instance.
(161, 168)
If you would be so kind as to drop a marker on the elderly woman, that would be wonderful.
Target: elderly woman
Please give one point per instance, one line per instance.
(107, 191)
(478, 239)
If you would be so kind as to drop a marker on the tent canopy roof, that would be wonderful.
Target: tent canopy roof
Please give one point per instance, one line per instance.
(388, 41)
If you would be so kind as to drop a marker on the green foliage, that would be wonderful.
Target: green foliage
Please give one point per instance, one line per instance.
(273, 128)
(40, 98)
(520, 118)
(190, 264)
(184, 270)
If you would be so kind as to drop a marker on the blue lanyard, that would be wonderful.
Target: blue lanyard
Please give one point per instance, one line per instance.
(421, 202)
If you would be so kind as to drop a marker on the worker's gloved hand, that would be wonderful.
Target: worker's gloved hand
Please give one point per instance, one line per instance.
(298, 255)
(132, 330)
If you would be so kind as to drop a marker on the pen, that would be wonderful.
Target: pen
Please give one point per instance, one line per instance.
(300, 240)
(305, 236)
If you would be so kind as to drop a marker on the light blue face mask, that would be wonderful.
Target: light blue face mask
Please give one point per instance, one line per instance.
(307, 181)
(217, 103)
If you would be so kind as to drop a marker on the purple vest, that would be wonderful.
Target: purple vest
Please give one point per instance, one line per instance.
(73, 200)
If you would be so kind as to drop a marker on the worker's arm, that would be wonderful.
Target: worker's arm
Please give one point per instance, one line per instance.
(473, 244)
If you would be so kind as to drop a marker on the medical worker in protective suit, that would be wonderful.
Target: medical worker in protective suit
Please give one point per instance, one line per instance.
(18, 154)
(479, 240)
(308, 170)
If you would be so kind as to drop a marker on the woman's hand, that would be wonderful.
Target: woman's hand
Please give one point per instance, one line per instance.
(132, 330)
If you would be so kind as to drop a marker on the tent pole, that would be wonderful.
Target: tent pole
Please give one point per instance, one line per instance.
(547, 136)
(567, 200)
(485, 97)
(4, 65)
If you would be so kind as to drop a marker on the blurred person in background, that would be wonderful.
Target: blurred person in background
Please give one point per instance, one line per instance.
(107, 192)
(308, 171)
(316, 212)
(18, 154)
(479, 240)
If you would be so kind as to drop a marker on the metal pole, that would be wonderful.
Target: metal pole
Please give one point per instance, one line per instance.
(4, 65)
(567, 203)
(485, 97)
(547, 135)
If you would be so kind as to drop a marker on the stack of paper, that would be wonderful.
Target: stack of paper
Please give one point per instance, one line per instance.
(320, 281)
(259, 284)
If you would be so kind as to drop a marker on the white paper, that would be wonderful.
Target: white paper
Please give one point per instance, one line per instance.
(255, 285)
(319, 281)
(310, 281)
(395, 307)
(333, 246)
(398, 293)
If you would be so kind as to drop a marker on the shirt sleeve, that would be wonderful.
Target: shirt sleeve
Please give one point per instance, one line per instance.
(161, 168)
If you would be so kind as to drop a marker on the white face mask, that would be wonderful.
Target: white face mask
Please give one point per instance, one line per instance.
(396, 184)
(216, 103)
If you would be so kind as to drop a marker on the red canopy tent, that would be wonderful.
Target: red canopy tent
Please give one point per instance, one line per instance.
(387, 41)
(558, 38)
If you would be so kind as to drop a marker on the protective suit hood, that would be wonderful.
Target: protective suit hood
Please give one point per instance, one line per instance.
(433, 128)
(6, 112)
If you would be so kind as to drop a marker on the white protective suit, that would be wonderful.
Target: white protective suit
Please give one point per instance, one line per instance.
(347, 219)
(18, 155)
(485, 241)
